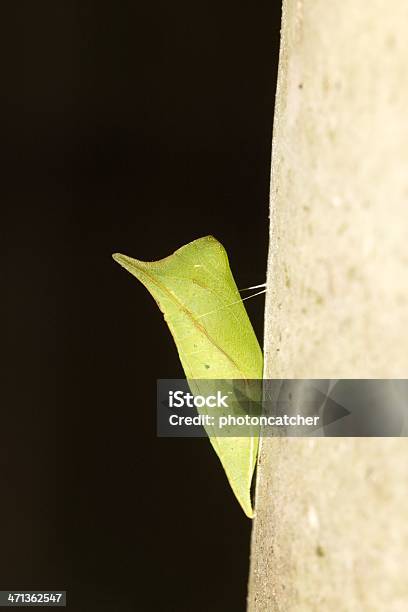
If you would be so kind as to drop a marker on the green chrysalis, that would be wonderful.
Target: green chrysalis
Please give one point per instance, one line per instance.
(195, 290)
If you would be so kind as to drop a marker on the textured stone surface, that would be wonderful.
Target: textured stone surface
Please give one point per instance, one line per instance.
(331, 531)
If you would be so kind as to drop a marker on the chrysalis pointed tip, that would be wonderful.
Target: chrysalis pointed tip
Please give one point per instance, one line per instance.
(121, 259)
(249, 512)
(246, 505)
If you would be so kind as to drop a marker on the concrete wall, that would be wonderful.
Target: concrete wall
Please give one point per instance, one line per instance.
(331, 531)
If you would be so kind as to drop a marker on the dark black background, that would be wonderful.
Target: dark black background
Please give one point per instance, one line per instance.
(131, 127)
